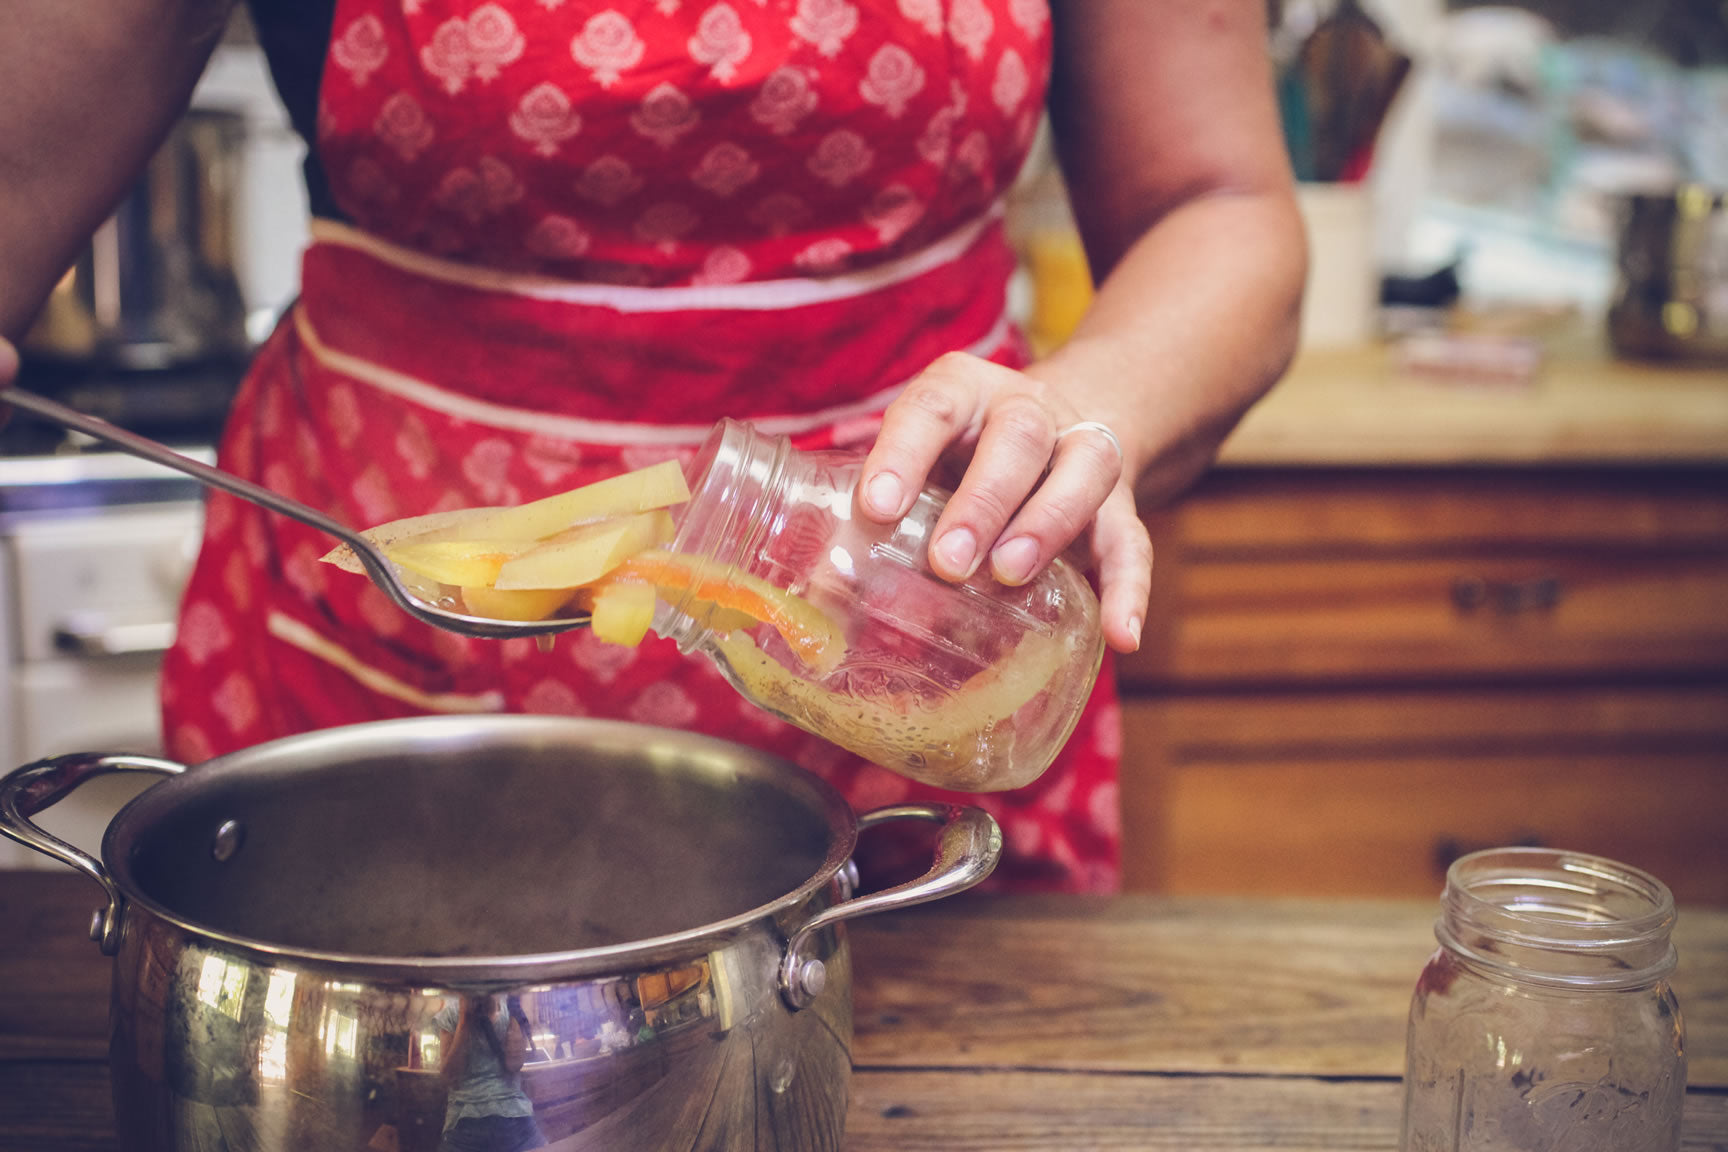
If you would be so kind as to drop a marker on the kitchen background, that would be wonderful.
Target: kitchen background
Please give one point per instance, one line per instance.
(1462, 580)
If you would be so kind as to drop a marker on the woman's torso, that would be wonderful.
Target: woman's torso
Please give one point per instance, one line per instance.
(663, 142)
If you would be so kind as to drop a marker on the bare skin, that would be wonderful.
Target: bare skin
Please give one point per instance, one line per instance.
(90, 91)
(1169, 138)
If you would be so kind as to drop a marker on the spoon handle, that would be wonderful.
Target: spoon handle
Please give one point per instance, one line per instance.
(158, 453)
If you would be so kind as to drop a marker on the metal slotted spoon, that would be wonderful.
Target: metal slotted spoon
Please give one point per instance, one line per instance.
(383, 572)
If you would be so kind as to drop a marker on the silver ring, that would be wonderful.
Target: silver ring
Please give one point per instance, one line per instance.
(1094, 426)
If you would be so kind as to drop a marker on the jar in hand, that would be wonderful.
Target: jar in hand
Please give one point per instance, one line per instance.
(972, 686)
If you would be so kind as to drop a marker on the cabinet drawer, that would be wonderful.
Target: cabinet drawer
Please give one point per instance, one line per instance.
(1501, 615)
(1361, 794)
(107, 582)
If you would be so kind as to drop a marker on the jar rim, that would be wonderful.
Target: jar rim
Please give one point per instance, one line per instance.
(1559, 916)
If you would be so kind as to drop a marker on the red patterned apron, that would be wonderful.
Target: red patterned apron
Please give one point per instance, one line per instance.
(580, 232)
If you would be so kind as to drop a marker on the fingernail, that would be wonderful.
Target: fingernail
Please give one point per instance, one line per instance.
(1134, 629)
(883, 494)
(958, 551)
(1013, 560)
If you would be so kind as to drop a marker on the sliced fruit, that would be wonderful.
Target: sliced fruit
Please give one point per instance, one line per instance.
(722, 620)
(462, 524)
(813, 637)
(622, 612)
(643, 490)
(582, 555)
(939, 740)
(524, 604)
(464, 563)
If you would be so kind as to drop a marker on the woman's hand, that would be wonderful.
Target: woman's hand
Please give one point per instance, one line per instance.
(1168, 132)
(1037, 479)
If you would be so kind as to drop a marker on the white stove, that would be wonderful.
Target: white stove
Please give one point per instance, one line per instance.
(95, 550)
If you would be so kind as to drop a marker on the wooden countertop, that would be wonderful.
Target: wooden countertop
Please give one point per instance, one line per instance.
(1357, 407)
(994, 1023)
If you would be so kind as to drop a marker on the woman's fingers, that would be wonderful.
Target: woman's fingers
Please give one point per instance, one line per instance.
(1012, 455)
(1123, 549)
(1084, 470)
(1038, 479)
(936, 410)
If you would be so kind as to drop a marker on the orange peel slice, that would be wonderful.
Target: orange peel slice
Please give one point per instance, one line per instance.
(812, 635)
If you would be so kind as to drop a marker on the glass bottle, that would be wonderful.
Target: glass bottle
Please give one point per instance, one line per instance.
(1544, 1021)
(972, 686)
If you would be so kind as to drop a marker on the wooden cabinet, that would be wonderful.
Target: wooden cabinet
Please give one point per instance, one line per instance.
(1351, 676)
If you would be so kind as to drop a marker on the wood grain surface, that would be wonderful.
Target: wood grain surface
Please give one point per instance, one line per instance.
(993, 1023)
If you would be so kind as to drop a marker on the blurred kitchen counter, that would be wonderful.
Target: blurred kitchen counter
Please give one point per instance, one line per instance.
(1407, 617)
(1361, 407)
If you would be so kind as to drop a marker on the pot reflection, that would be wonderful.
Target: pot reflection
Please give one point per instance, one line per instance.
(216, 1048)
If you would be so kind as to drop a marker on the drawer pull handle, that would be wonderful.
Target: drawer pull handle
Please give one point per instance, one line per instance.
(96, 639)
(1508, 597)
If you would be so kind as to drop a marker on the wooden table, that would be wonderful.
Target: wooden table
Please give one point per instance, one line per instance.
(994, 1023)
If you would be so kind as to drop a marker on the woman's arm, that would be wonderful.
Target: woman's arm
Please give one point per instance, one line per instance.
(89, 91)
(1170, 144)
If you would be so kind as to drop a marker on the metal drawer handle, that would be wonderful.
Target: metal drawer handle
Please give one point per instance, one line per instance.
(1508, 597)
(95, 637)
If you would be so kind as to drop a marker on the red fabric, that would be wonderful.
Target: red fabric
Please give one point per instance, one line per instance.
(397, 389)
(677, 141)
(513, 350)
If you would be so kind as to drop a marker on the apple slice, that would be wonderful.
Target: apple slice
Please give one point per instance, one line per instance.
(643, 490)
(524, 604)
(622, 612)
(464, 563)
(583, 554)
(461, 524)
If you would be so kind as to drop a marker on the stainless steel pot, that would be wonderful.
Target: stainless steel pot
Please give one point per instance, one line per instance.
(297, 928)
(158, 286)
(1671, 291)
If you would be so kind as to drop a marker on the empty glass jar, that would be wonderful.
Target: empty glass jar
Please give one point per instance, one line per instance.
(971, 686)
(1544, 1022)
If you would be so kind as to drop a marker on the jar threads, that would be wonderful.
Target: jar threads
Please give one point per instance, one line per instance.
(1544, 1022)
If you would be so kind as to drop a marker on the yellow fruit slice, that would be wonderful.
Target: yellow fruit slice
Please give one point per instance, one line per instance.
(463, 563)
(813, 637)
(582, 555)
(643, 490)
(462, 524)
(622, 612)
(942, 741)
(525, 604)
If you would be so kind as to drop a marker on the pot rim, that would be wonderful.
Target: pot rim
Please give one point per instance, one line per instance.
(399, 735)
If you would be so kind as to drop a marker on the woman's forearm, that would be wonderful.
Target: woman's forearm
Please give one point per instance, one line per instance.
(89, 90)
(1193, 324)
(1170, 140)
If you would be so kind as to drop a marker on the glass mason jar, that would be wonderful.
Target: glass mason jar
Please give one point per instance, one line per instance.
(972, 686)
(1544, 1021)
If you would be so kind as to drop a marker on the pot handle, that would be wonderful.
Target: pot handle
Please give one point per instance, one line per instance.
(41, 785)
(967, 852)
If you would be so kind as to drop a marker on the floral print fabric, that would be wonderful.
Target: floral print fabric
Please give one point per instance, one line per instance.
(583, 231)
